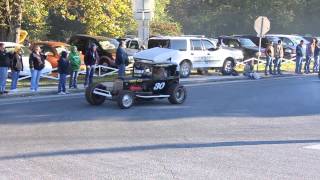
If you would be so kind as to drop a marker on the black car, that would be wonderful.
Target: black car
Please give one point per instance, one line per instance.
(289, 51)
(106, 47)
(150, 80)
(249, 49)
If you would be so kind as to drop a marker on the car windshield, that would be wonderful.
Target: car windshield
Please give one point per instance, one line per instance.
(247, 42)
(109, 44)
(296, 39)
(162, 43)
(62, 48)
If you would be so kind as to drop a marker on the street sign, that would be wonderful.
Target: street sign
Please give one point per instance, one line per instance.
(262, 25)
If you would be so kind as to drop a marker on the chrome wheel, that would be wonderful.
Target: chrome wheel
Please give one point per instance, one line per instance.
(127, 100)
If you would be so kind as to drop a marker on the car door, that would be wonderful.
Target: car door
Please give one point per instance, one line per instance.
(211, 53)
(197, 55)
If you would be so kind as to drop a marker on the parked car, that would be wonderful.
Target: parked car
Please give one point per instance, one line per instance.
(192, 53)
(288, 51)
(52, 50)
(290, 42)
(106, 47)
(10, 46)
(249, 49)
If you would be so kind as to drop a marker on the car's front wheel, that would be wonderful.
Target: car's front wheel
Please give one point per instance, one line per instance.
(95, 99)
(228, 67)
(185, 69)
(178, 94)
(125, 99)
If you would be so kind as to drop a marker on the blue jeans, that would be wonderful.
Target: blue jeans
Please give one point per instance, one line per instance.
(298, 64)
(277, 65)
(73, 79)
(89, 75)
(35, 78)
(14, 78)
(316, 64)
(122, 70)
(62, 82)
(268, 65)
(3, 78)
(307, 65)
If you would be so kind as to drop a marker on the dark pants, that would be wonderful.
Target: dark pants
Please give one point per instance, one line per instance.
(62, 83)
(268, 65)
(89, 75)
(121, 70)
(316, 64)
(307, 65)
(277, 65)
(73, 79)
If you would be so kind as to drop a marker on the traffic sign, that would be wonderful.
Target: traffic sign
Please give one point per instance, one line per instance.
(262, 25)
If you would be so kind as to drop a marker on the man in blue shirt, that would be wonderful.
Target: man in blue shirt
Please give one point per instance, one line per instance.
(299, 57)
(122, 59)
(316, 57)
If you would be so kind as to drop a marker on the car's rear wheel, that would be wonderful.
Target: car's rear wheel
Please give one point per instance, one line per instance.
(178, 94)
(185, 69)
(228, 67)
(95, 99)
(125, 99)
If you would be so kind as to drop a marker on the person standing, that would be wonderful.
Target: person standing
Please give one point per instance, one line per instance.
(16, 67)
(4, 66)
(37, 63)
(299, 57)
(270, 54)
(316, 57)
(75, 62)
(278, 58)
(90, 59)
(63, 66)
(309, 55)
(122, 59)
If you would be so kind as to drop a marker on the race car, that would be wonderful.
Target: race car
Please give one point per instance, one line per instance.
(150, 80)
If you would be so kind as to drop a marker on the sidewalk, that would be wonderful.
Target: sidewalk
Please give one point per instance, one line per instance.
(50, 90)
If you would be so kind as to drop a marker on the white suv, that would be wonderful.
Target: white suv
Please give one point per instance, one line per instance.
(198, 53)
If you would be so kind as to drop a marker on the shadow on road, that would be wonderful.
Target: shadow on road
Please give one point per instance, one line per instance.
(153, 147)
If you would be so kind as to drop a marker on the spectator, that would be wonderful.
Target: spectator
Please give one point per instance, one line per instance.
(90, 59)
(16, 67)
(316, 57)
(278, 58)
(63, 66)
(122, 59)
(270, 54)
(4, 66)
(75, 62)
(299, 57)
(309, 55)
(37, 63)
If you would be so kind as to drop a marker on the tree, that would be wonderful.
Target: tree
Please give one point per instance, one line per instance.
(10, 21)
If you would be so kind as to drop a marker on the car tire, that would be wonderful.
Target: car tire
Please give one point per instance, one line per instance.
(185, 69)
(178, 94)
(125, 99)
(94, 99)
(203, 71)
(228, 67)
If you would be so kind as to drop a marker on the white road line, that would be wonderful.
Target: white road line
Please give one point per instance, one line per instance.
(315, 147)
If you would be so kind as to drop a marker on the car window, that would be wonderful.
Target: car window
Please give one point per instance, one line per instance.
(247, 42)
(180, 45)
(287, 42)
(208, 45)
(162, 43)
(133, 45)
(109, 44)
(196, 45)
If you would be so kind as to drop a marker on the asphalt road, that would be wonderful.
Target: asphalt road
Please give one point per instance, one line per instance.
(264, 129)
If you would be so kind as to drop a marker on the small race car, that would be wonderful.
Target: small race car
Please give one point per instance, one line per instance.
(150, 80)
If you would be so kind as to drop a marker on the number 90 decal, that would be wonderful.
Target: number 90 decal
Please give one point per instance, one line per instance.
(159, 86)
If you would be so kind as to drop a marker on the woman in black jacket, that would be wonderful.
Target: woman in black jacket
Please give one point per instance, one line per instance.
(37, 63)
(16, 67)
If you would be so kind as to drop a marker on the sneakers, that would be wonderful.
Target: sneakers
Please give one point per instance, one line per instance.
(61, 93)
